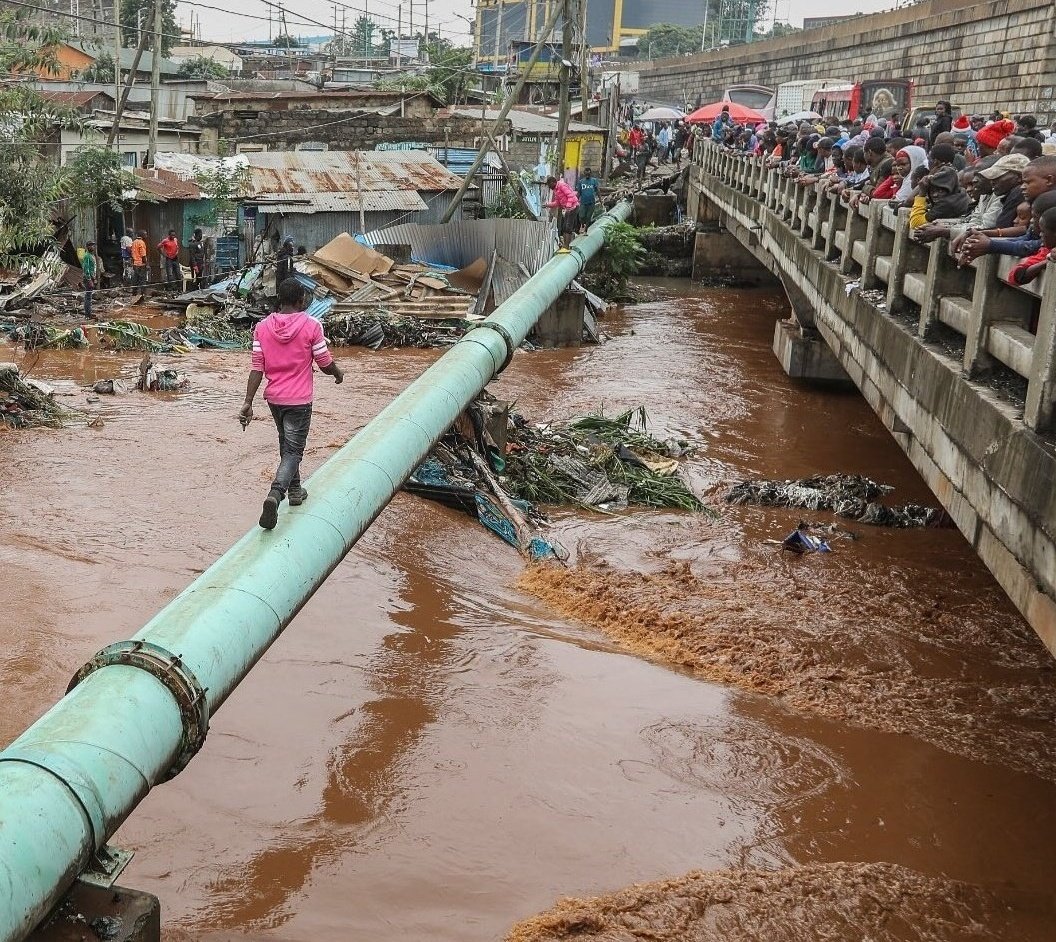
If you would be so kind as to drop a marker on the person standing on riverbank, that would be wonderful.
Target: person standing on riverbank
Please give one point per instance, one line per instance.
(196, 251)
(139, 260)
(90, 271)
(170, 255)
(285, 344)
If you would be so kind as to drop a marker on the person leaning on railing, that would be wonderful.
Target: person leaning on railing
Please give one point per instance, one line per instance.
(1039, 180)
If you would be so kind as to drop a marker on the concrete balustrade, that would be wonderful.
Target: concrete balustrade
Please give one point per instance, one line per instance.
(890, 314)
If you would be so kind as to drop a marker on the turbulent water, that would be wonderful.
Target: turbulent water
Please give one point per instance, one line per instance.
(755, 745)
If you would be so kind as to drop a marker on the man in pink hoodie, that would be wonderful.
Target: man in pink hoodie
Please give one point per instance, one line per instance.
(285, 344)
(566, 203)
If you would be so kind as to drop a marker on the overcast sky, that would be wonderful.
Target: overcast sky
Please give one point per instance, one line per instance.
(248, 19)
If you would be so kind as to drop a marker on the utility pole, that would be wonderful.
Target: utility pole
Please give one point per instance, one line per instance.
(584, 57)
(117, 55)
(130, 79)
(610, 124)
(155, 86)
(537, 51)
(366, 34)
(564, 106)
(359, 193)
(399, 34)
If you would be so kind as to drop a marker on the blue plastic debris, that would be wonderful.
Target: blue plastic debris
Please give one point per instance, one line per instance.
(799, 541)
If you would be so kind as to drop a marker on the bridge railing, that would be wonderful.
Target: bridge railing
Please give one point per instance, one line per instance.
(920, 285)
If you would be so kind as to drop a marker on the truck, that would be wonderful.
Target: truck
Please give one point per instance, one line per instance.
(797, 96)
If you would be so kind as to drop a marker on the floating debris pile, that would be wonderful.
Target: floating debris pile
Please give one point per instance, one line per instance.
(848, 495)
(25, 403)
(495, 465)
(598, 461)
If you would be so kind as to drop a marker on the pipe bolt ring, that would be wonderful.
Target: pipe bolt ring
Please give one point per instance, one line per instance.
(180, 681)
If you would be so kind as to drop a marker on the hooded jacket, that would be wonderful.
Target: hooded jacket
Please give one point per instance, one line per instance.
(284, 347)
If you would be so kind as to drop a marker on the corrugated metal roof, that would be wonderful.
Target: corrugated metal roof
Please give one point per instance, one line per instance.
(164, 185)
(392, 200)
(336, 172)
(459, 159)
(519, 241)
(73, 99)
(528, 121)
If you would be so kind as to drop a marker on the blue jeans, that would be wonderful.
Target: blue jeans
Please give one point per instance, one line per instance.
(173, 275)
(293, 423)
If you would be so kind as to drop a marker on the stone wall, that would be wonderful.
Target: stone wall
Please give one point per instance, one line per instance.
(285, 130)
(978, 55)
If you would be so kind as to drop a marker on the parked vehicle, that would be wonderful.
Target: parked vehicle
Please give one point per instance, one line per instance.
(915, 114)
(881, 97)
(793, 97)
(758, 97)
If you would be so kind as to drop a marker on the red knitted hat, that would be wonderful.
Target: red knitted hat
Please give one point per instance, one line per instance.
(994, 134)
(962, 123)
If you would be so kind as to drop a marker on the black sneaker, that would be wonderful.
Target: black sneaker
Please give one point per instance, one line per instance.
(269, 516)
(296, 496)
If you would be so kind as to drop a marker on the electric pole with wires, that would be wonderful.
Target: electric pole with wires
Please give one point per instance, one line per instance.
(564, 105)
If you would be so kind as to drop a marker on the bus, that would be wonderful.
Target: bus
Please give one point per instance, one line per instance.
(881, 97)
(759, 97)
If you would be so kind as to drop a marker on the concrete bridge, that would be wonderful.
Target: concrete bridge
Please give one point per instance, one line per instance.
(960, 366)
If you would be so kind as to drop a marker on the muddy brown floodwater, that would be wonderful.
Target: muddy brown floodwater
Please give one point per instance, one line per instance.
(686, 733)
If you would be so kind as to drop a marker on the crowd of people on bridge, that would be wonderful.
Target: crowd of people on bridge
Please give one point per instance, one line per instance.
(985, 182)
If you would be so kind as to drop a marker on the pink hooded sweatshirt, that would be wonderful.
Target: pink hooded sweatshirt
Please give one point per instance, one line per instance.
(284, 346)
(564, 196)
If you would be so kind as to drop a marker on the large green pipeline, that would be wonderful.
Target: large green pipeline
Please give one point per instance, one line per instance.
(139, 710)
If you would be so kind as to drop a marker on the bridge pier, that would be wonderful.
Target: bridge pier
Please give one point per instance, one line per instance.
(561, 324)
(985, 450)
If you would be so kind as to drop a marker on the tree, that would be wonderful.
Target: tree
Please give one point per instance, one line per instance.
(97, 179)
(664, 40)
(200, 67)
(286, 41)
(222, 184)
(137, 13)
(102, 70)
(446, 78)
(33, 187)
(361, 40)
(30, 184)
(778, 30)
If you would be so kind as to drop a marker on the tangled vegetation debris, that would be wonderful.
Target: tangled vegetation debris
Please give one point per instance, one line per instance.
(25, 404)
(377, 329)
(848, 495)
(598, 461)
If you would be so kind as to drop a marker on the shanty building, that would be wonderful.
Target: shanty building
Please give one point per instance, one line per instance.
(529, 137)
(313, 196)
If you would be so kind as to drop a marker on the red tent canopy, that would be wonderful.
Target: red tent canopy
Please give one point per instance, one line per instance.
(739, 113)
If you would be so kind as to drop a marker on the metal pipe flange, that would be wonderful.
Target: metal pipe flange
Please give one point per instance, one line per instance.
(178, 679)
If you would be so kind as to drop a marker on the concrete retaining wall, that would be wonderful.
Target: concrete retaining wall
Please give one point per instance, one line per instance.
(994, 475)
(979, 55)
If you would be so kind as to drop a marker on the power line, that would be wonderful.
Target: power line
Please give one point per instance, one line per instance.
(77, 16)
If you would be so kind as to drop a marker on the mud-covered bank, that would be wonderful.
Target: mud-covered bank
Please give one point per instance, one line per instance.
(841, 902)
